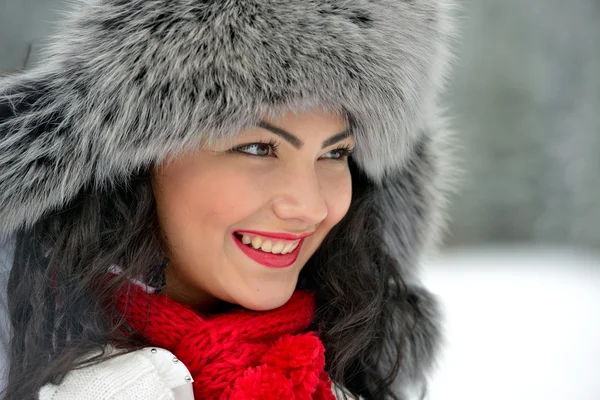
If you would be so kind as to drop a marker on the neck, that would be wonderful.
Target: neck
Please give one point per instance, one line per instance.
(178, 289)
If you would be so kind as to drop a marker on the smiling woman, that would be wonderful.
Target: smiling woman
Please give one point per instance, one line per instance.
(280, 197)
(225, 200)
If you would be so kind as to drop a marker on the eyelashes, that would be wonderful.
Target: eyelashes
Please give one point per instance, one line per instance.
(344, 150)
(268, 144)
(271, 147)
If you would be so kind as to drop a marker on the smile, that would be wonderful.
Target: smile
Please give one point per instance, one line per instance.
(270, 252)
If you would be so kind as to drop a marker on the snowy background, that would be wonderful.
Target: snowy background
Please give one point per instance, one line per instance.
(521, 323)
(520, 276)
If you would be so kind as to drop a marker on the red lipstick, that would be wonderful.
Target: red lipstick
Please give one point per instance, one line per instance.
(275, 235)
(269, 259)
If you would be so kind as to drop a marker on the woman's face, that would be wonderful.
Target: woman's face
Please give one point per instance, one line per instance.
(241, 219)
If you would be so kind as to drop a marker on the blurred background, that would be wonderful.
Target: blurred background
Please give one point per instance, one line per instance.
(525, 94)
(519, 275)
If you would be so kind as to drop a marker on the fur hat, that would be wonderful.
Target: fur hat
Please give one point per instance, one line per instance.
(127, 82)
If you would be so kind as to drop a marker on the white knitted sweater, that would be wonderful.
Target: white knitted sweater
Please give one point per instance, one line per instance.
(148, 374)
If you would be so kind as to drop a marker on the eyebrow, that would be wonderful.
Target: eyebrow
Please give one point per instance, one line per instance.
(296, 141)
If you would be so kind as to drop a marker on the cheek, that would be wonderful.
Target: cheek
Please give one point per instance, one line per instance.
(338, 195)
(194, 198)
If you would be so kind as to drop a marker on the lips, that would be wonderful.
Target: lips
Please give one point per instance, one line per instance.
(284, 236)
(269, 259)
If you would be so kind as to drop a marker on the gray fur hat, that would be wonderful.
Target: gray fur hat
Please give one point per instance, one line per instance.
(127, 82)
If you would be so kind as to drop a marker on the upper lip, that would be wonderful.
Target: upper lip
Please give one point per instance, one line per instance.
(278, 235)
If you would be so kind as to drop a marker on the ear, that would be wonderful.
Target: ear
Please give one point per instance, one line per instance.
(35, 175)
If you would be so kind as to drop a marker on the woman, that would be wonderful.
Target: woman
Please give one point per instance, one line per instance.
(228, 198)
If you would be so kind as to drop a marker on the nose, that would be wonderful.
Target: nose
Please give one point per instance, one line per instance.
(300, 199)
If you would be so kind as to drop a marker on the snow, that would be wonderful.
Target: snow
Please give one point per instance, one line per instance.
(521, 324)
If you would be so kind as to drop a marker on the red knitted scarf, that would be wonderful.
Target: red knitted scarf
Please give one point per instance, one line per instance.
(240, 355)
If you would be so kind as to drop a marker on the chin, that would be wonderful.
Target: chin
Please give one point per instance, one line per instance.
(265, 300)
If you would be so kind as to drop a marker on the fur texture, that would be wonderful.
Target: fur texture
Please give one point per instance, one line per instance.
(127, 82)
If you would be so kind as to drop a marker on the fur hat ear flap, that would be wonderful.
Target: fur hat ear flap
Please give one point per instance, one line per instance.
(40, 163)
(410, 204)
(419, 321)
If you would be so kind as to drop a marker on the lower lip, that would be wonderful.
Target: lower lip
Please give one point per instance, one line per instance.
(269, 259)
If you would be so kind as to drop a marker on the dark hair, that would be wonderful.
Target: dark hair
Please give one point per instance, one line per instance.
(60, 313)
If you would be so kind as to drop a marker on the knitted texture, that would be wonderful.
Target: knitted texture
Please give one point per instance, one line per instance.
(239, 355)
(128, 376)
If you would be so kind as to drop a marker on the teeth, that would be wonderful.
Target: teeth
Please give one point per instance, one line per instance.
(268, 246)
(288, 247)
(277, 248)
(256, 242)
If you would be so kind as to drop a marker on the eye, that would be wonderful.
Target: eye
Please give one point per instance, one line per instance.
(340, 154)
(261, 149)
